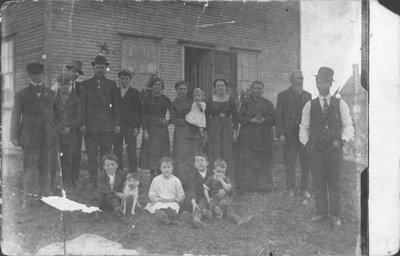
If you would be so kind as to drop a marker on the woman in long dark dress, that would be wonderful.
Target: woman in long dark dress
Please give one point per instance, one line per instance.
(184, 148)
(222, 125)
(155, 143)
(256, 117)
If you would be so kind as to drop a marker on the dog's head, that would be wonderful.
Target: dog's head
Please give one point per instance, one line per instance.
(131, 181)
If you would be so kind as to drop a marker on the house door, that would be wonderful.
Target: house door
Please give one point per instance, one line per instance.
(198, 69)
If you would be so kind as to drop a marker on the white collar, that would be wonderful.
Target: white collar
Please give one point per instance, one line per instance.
(327, 97)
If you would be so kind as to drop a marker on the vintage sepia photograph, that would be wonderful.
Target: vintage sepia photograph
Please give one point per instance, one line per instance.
(183, 127)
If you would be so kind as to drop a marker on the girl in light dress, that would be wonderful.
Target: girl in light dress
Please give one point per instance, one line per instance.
(196, 117)
(165, 194)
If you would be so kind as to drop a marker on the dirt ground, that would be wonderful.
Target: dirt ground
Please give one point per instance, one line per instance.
(282, 227)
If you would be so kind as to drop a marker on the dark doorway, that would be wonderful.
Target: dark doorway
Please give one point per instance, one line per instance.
(198, 69)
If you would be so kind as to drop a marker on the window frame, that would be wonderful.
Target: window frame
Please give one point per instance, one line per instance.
(239, 53)
(141, 39)
(7, 102)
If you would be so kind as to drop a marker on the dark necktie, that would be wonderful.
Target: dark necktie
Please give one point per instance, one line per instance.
(325, 108)
(38, 88)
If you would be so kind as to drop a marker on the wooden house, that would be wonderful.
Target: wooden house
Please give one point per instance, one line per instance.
(193, 41)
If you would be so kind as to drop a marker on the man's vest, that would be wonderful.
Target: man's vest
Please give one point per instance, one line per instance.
(325, 126)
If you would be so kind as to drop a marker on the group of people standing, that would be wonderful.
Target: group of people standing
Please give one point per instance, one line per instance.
(106, 114)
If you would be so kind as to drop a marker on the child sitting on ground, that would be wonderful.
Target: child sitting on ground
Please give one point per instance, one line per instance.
(109, 186)
(165, 194)
(196, 117)
(218, 190)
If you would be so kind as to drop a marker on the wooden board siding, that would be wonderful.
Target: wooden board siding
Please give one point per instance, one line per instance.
(272, 27)
(25, 20)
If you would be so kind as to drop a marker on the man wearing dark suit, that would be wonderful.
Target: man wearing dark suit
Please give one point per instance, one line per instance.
(325, 127)
(74, 69)
(68, 135)
(288, 117)
(37, 117)
(130, 120)
(100, 115)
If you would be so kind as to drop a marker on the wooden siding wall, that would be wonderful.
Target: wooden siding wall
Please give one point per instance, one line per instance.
(79, 27)
(25, 20)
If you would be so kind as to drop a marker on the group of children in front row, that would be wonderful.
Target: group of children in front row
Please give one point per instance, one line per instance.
(211, 198)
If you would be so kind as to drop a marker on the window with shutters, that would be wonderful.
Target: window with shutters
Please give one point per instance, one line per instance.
(140, 56)
(8, 69)
(247, 69)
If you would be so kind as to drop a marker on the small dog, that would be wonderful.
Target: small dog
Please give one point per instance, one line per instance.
(130, 189)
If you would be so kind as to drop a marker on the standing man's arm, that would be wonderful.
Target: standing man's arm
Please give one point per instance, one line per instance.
(15, 125)
(279, 115)
(136, 111)
(116, 108)
(83, 98)
(348, 129)
(304, 131)
(61, 114)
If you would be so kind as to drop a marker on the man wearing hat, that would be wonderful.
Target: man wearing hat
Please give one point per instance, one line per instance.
(325, 126)
(288, 117)
(130, 120)
(100, 115)
(74, 70)
(37, 116)
(68, 135)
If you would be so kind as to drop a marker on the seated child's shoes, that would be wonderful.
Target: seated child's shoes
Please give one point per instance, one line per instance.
(218, 213)
(207, 213)
(246, 221)
(162, 217)
(118, 211)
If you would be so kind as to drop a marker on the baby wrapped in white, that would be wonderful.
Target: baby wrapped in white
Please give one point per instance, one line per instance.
(197, 115)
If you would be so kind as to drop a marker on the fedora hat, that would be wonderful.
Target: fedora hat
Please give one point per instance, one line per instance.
(125, 72)
(100, 60)
(63, 78)
(35, 68)
(325, 74)
(76, 64)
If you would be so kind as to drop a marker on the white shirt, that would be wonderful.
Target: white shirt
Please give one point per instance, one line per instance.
(170, 188)
(203, 173)
(123, 91)
(347, 124)
(112, 178)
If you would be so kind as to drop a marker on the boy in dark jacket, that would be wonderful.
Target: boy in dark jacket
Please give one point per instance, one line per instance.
(110, 182)
(69, 133)
(130, 120)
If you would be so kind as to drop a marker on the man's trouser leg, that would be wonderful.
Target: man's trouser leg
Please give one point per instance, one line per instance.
(117, 148)
(305, 168)
(92, 143)
(45, 169)
(30, 176)
(319, 179)
(105, 141)
(66, 163)
(290, 156)
(131, 151)
(334, 169)
(76, 158)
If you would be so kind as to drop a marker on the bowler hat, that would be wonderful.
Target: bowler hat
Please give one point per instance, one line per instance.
(325, 74)
(62, 78)
(35, 68)
(100, 60)
(125, 72)
(76, 64)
